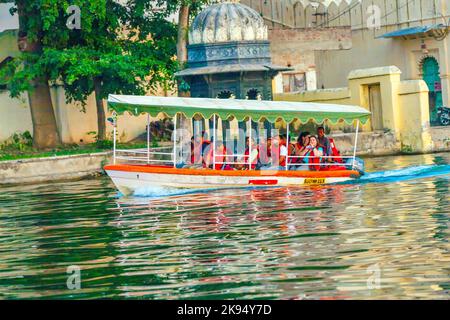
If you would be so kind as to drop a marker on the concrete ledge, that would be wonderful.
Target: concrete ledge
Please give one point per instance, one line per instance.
(52, 168)
(373, 72)
(315, 95)
(369, 143)
(441, 138)
(412, 87)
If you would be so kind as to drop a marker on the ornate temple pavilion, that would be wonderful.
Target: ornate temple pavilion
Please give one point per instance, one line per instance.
(229, 54)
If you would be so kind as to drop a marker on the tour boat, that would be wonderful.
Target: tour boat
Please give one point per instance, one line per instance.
(137, 169)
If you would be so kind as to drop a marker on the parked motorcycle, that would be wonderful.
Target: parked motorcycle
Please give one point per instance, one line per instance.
(443, 114)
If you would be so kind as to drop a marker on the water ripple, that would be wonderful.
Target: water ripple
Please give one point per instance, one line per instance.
(320, 242)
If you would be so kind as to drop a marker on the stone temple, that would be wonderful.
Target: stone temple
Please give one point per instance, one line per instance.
(229, 55)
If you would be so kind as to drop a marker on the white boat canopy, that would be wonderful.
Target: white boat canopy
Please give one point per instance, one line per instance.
(239, 109)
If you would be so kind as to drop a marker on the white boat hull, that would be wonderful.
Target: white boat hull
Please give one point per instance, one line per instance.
(131, 182)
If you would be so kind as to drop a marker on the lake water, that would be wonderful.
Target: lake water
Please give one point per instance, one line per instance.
(385, 237)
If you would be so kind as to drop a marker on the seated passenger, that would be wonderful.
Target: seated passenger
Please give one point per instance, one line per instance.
(297, 147)
(280, 150)
(242, 161)
(283, 140)
(196, 151)
(278, 154)
(304, 139)
(265, 152)
(312, 154)
(336, 163)
(335, 152)
(324, 142)
(207, 152)
(205, 141)
(253, 156)
(220, 153)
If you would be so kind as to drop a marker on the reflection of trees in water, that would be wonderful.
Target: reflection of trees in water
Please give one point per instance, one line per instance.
(60, 225)
(442, 208)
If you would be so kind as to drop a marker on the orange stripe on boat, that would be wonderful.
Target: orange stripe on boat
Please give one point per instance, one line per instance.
(231, 173)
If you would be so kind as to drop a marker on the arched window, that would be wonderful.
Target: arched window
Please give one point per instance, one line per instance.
(431, 75)
(226, 94)
(253, 94)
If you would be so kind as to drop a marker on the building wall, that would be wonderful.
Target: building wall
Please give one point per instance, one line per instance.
(368, 52)
(354, 13)
(8, 44)
(15, 115)
(74, 125)
(404, 105)
(295, 48)
(331, 64)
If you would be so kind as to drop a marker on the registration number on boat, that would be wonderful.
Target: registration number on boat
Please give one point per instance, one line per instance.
(315, 181)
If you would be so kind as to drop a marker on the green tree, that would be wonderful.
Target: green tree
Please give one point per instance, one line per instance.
(186, 9)
(24, 76)
(126, 47)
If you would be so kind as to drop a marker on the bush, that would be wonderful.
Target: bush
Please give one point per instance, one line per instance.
(18, 141)
(104, 144)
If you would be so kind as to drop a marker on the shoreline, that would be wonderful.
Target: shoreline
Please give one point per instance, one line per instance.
(56, 168)
(82, 166)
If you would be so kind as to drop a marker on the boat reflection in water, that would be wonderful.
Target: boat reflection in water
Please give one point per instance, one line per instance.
(321, 242)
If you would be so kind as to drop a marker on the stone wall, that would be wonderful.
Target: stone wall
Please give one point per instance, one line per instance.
(52, 169)
(344, 13)
(295, 47)
(75, 125)
(404, 109)
(369, 143)
(441, 138)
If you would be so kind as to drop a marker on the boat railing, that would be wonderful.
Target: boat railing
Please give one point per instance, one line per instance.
(237, 158)
(337, 163)
(289, 163)
(146, 155)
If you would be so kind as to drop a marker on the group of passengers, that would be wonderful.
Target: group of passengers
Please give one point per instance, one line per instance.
(308, 153)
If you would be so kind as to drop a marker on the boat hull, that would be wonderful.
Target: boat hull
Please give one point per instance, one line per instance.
(132, 178)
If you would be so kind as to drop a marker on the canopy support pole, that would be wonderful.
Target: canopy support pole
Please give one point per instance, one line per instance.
(214, 143)
(148, 138)
(356, 144)
(114, 140)
(250, 144)
(175, 141)
(287, 145)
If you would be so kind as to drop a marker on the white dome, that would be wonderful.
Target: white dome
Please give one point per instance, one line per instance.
(227, 22)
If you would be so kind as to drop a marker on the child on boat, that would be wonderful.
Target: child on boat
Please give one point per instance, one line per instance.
(312, 155)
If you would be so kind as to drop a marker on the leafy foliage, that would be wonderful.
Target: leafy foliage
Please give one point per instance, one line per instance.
(128, 46)
(18, 141)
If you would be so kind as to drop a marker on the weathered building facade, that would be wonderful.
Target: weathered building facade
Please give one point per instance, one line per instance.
(229, 54)
(295, 38)
(410, 34)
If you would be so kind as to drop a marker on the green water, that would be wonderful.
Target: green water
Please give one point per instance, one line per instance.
(327, 242)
